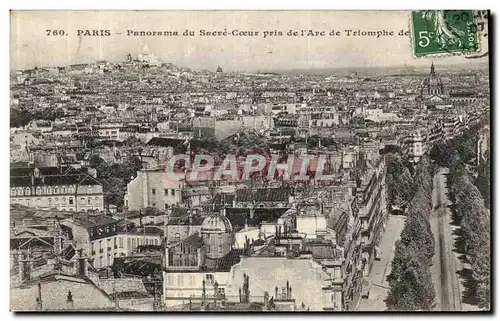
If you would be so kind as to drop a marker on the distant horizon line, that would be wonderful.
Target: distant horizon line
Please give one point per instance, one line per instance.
(485, 63)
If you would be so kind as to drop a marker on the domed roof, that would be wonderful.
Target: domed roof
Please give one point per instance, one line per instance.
(216, 223)
(432, 80)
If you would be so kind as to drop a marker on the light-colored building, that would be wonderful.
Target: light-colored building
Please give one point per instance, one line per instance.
(100, 238)
(414, 146)
(61, 188)
(152, 188)
(309, 281)
(200, 264)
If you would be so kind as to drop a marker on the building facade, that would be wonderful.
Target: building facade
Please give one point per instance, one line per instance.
(152, 188)
(61, 188)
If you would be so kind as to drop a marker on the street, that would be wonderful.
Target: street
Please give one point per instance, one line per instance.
(445, 262)
(381, 269)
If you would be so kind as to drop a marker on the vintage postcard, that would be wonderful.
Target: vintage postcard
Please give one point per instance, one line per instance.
(250, 161)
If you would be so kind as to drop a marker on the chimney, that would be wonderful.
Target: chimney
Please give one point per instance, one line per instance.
(69, 301)
(22, 265)
(39, 305)
(82, 266)
(266, 300)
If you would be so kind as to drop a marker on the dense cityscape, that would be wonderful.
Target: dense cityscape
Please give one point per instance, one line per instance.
(97, 224)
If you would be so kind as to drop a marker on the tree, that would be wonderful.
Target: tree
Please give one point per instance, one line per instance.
(115, 178)
(132, 141)
(417, 233)
(398, 181)
(410, 282)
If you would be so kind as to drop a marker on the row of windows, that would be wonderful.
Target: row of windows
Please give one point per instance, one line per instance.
(244, 205)
(132, 243)
(48, 190)
(165, 192)
(191, 280)
(64, 201)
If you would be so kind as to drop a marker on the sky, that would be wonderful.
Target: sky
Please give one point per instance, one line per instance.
(31, 46)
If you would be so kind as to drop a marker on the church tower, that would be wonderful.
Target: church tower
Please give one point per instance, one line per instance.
(432, 85)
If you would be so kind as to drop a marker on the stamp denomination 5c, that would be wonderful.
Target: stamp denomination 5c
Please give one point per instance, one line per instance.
(444, 31)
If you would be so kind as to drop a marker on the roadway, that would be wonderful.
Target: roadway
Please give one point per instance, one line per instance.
(445, 261)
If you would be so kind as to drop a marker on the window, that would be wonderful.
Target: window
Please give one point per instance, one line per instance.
(63, 190)
(177, 237)
(71, 201)
(27, 191)
(153, 191)
(166, 192)
(114, 241)
(120, 243)
(172, 191)
(88, 201)
(220, 248)
(50, 201)
(129, 245)
(209, 278)
(56, 190)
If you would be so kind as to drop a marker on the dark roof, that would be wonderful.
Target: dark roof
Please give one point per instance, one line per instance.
(225, 263)
(184, 220)
(239, 216)
(322, 250)
(149, 211)
(68, 252)
(165, 142)
(130, 295)
(223, 198)
(263, 195)
(24, 176)
(95, 221)
(194, 240)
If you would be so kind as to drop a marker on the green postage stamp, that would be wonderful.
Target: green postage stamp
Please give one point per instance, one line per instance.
(444, 31)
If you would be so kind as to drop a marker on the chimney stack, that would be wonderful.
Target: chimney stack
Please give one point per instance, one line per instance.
(39, 305)
(82, 266)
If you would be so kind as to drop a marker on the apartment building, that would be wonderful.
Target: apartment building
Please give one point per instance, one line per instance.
(61, 188)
